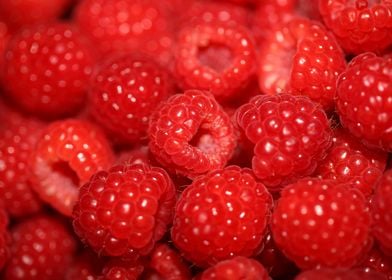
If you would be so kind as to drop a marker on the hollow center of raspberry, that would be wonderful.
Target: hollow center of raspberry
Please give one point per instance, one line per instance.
(64, 172)
(204, 141)
(216, 56)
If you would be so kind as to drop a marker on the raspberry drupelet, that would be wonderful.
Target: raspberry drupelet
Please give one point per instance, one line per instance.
(221, 215)
(68, 153)
(124, 211)
(191, 134)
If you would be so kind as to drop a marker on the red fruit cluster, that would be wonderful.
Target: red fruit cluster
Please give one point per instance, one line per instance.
(179, 140)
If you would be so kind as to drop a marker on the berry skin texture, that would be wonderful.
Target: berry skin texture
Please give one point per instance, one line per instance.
(221, 215)
(376, 260)
(349, 161)
(4, 238)
(127, 26)
(360, 25)
(340, 274)
(321, 223)
(18, 13)
(124, 92)
(236, 268)
(68, 153)
(191, 134)
(382, 213)
(301, 57)
(118, 269)
(47, 68)
(85, 266)
(290, 135)
(215, 57)
(124, 211)
(18, 137)
(363, 100)
(42, 249)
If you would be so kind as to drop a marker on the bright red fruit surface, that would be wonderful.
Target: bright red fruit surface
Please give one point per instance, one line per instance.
(321, 223)
(221, 215)
(125, 210)
(67, 154)
(363, 100)
(289, 134)
(124, 92)
(47, 68)
(4, 238)
(191, 134)
(340, 274)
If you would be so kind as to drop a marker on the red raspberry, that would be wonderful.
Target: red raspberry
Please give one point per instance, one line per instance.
(321, 223)
(127, 26)
(167, 264)
(4, 238)
(382, 213)
(47, 68)
(360, 25)
(137, 155)
(18, 137)
(42, 249)
(377, 261)
(302, 58)
(215, 57)
(124, 211)
(86, 266)
(349, 161)
(290, 135)
(4, 37)
(221, 215)
(17, 13)
(124, 92)
(339, 274)
(236, 268)
(117, 269)
(363, 99)
(191, 134)
(68, 153)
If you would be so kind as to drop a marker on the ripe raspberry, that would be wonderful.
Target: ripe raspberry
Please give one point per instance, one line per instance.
(215, 57)
(18, 13)
(68, 153)
(191, 134)
(236, 268)
(124, 92)
(290, 135)
(349, 161)
(86, 266)
(363, 100)
(361, 25)
(340, 274)
(18, 137)
(321, 223)
(42, 249)
(138, 155)
(302, 58)
(47, 68)
(124, 211)
(377, 261)
(166, 263)
(117, 269)
(4, 37)
(127, 26)
(221, 215)
(4, 238)
(382, 213)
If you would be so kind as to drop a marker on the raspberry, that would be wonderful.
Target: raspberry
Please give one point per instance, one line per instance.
(117, 269)
(4, 238)
(47, 68)
(4, 37)
(377, 261)
(236, 268)
(349, 161)
(290, 135)
(191, 134)
(361, 25)
(127, 26)
(167, 264)
(85, 266)
(302, 58)
(18, 137)
(363, 100)
(321, 223)
(221, 215)
(124, 211)
(42, 248)
(17, 13)
(124, 92)
(68, 153)
(215, 57)
(339, 274)
(382, 213)
(137, 155)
